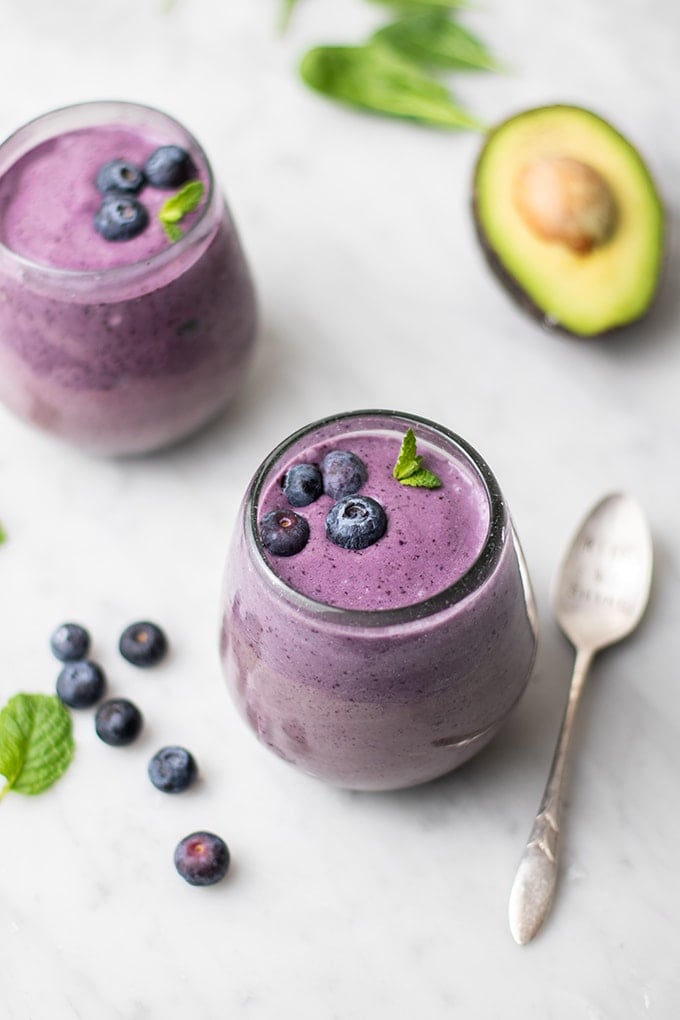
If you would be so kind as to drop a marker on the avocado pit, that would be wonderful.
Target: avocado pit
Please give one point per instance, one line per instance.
(566, 201)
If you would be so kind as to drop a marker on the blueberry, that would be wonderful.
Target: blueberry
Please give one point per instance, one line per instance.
(202, 858)
(120, 176)
(283, 532)
(172, 769)
(143, 644)
(169, 166)
(120, 218)
(118, 722)
(355, 522)
(69, 642)
(343, 473)
(302, 484)
(81, 684)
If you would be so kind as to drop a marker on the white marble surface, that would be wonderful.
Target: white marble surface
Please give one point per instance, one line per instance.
(373, 293)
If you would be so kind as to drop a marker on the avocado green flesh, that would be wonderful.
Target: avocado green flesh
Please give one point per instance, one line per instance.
(586, 294)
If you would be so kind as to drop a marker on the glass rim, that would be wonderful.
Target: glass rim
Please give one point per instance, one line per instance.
(464, 586)
(130, 270)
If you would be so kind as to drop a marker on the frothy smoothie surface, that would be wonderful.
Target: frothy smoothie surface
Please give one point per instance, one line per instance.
(48, 200)
(433, 536)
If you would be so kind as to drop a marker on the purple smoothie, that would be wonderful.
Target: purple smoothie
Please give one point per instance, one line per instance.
(391, 665)
(116, 346)
(433, 536)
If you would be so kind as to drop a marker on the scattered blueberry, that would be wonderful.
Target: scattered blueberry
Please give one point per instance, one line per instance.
(120, 218)
(343, 473)
(118, 722)
(69, 642)
(81, 684)
(169, 166)
(143, 644)
(172, 769)
(120, 176)
(302, 484)
(283, 532)
(355, 522)
(202, 858)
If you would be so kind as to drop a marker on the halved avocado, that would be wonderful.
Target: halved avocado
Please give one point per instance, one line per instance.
(570, 219)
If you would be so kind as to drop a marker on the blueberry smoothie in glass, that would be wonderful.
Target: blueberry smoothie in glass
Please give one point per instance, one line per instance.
(127, 310)
(378, 625)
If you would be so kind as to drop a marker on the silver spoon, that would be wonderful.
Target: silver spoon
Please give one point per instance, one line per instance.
(600, 594)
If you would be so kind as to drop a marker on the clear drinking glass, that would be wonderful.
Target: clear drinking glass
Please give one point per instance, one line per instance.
(379, 698)
(129, 357)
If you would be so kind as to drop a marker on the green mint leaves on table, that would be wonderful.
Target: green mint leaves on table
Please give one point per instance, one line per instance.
(36, 743)
(408, 470)
(394, 73)
(175, 208)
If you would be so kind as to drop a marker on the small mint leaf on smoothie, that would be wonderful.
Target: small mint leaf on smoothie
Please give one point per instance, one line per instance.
(408, 468)
(36, 743)
(175, 208)
(172, 232)
(422, 479)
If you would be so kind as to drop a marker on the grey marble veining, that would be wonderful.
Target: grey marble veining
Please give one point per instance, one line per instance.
(373, 292)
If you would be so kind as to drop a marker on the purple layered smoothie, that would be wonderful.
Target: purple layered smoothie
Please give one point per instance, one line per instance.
(385, 666)
(115, 345)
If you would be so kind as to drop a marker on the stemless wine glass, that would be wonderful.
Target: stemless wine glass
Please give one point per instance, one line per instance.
(126, 357)
(383, 698)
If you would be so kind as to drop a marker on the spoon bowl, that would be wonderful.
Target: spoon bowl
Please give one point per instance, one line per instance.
(602, 586)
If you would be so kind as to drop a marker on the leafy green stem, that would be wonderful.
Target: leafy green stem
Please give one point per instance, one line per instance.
(287, 7)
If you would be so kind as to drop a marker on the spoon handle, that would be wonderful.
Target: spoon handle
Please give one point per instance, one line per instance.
(533, 890)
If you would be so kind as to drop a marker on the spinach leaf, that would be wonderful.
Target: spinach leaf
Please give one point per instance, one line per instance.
(433, 40)
(373, 78)
(420, 5)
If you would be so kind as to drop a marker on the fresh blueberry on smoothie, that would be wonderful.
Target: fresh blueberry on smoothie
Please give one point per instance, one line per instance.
(302, 484)
(121, 176)
(120, 217)
(283, 532)
(343, 473)
(355, 522)
(169, 166)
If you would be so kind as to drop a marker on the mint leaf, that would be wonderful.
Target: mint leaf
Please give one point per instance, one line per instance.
(36, 743)
(408, 468)
(373, 77)
(175, 208)
(3, 535)
(173, 232)
(407, 461)
(423, 479)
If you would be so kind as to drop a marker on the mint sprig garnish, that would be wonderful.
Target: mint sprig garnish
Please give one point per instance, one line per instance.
(175, 208)
(3, 534)
(36, 743)
(408, 470)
